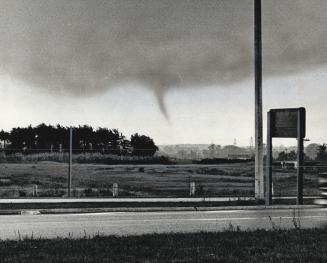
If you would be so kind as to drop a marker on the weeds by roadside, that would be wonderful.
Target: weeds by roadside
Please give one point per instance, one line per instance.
(296, 219)
(233, 245)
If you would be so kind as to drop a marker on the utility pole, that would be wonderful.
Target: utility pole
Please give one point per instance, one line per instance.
(259, 176)
(70, 161)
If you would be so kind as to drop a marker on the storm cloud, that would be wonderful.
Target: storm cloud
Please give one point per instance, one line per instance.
(84, 47)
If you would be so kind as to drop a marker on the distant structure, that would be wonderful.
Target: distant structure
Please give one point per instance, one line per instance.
(235, 142)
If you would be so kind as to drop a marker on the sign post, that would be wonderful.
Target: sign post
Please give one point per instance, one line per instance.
(285, 123)
(300, 157)
(268, 185)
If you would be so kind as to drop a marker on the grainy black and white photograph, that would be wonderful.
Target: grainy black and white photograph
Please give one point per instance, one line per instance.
(163, 131)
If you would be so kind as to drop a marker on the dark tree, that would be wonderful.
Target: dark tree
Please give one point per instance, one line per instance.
(22, 138)
(143, 145)
(4, 136)
(47, 137)
(62, 135)
(83, 137)
(283, 156)
(322, 154)
(106, 139)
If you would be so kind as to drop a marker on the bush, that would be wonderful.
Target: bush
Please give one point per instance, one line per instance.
(52, 193)
(89, 192)
(105, 192)
(22, 193)
(93, 157)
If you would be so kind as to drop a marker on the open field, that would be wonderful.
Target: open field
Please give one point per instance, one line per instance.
(133, 180)
(295, 245)
(18, 180)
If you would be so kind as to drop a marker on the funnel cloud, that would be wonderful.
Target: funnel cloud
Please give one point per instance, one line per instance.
(84, 47)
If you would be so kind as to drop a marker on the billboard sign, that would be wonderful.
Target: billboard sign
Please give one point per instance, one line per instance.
(285, 123)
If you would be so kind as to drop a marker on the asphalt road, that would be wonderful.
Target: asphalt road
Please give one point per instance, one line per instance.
(130, 223)
(135, 200)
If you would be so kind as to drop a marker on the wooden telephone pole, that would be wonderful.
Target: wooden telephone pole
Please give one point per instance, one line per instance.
(259, 174)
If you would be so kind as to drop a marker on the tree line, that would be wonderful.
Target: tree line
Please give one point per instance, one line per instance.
(321, 154)
(85, 138)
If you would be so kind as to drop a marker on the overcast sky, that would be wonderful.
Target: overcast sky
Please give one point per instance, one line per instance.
(178, 71)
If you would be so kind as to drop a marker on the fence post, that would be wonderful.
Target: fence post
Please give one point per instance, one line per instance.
(115, 190)
(192, 189)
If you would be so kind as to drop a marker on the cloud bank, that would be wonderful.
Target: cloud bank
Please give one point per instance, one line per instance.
(84, 47)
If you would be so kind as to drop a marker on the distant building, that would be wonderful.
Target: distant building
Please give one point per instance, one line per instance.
(240, 156)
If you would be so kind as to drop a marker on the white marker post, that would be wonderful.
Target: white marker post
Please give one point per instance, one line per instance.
(35, 192)
(115, 190)
(192, 189)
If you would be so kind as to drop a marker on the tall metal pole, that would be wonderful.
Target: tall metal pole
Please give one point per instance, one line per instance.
(259, 176)
(70, 161)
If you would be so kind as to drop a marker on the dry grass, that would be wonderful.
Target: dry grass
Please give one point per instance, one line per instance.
(294, 245)
(143, 180)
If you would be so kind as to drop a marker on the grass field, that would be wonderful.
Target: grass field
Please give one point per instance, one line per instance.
(229, 246)
(18, 179)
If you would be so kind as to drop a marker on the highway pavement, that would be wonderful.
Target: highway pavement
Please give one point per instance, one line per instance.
(137, 223)
(135, 199)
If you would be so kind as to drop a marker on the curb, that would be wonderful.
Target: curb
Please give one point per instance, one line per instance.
(147, 209)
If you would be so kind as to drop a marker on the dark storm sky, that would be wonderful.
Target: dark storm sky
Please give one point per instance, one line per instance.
(82, 49)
